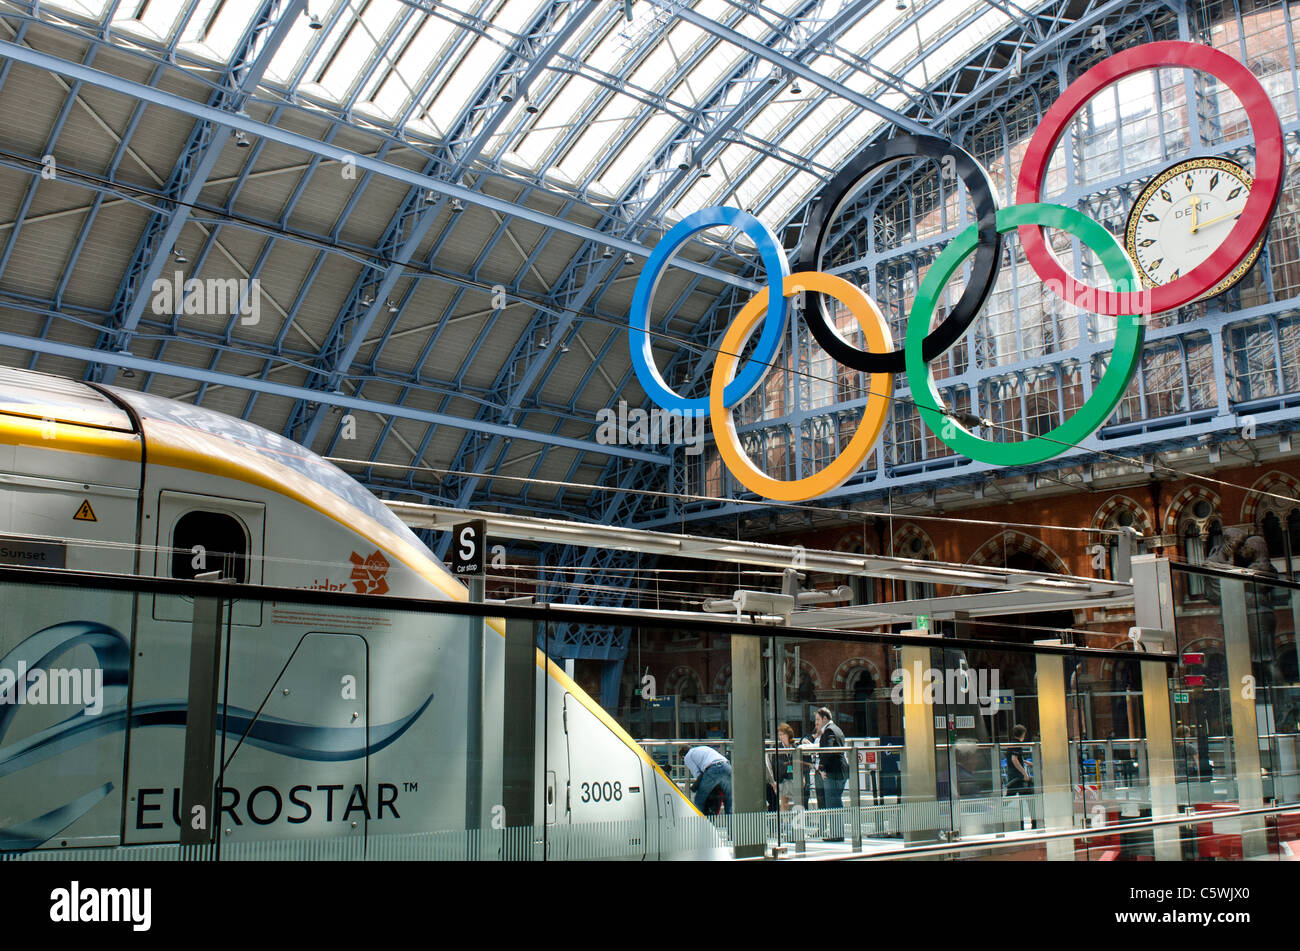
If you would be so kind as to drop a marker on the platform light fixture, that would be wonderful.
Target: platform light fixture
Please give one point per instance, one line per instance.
(607, 253)
(628, 258)
(179, 255)
(392, 306)
(241, 139)
(457, 205)
(796, 89)
(313, 21)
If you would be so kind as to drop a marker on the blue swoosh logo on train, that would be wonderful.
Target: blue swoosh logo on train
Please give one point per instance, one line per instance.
(112, 650)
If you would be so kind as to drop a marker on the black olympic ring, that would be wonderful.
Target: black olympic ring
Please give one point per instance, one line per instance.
(984, 268)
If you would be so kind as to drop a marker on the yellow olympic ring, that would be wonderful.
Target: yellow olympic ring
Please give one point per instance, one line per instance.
(881, 389)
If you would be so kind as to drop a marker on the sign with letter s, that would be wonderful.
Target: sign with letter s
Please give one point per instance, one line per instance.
(469, 549)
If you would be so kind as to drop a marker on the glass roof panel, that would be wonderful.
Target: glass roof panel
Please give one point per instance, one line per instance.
(154, 21)
(434, 55)
(517, 14)
(789, 197)
(900, 51)
(287, 61)
(628, 162)
(944, 56)
(216, 27)
(600, 134)
(660, 61)
(352, 55)
(756, 183)
(555, 119)
(863, 34)
(92, 9)
(463, 83)
(609, 53)
(706, 74)
(397, 81)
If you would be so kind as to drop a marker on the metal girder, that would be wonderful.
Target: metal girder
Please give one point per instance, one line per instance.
(144, 365)
(796, 68)
(308, 145)
(199, 156)
(692, 143)
(476, 126)
(517, 383)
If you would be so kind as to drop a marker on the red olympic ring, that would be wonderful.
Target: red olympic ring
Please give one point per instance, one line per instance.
(1245, 234)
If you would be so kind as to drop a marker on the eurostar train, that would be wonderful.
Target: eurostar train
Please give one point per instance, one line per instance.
(338, 721)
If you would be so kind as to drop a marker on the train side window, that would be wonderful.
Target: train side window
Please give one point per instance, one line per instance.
(222, 540)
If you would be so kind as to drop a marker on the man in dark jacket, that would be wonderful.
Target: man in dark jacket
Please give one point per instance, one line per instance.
(834, 769)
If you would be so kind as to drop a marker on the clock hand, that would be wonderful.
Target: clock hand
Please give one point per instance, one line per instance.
(1199, 226)
(1196, 204)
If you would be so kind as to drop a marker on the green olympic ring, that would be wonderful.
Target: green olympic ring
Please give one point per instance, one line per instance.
(1105, 395)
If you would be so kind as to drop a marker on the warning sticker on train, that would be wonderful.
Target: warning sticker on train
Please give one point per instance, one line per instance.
(85, 513)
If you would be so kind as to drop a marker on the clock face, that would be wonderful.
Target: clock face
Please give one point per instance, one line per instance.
(1183, 215)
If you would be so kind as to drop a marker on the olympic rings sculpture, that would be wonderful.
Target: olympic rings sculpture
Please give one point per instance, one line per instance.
(1126, 300)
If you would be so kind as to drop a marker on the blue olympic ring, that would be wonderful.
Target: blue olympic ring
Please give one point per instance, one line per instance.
(769, 341)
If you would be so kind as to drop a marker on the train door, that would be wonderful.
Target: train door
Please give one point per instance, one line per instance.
(607, 794)
(203, 533)
(556, 789)
(296, 752)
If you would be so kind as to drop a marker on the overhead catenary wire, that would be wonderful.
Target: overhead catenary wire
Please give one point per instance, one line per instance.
(756, 503)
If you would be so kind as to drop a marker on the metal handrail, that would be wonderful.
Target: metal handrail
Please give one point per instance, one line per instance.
(1186, 819)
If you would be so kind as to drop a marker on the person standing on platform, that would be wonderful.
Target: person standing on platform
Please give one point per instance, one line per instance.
(834, 770)
(709, 771)
(1019, 781)
(785, 766)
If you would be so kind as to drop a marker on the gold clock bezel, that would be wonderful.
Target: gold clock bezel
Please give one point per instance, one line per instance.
(1152, 187)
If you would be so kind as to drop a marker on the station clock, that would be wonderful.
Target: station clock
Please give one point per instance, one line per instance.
(1183, 215)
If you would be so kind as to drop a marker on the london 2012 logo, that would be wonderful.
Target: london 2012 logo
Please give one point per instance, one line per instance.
(1126, 301)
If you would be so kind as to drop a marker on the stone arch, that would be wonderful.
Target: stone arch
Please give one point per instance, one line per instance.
(805, 666)
(846, 669)
(1011, 542)
(904, 547)
(680, 677)
(1256, 504)
(852, 542)
(1117, 503)
(722, 679)
(1183, 503)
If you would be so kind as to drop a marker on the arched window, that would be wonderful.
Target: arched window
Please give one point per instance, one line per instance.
(1280, 525)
